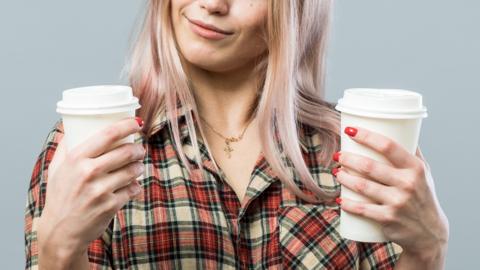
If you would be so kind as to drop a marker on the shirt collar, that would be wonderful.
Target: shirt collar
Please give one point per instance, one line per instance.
(162, 120)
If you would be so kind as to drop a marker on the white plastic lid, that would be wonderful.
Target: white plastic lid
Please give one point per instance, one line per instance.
(100, 99)
(382, 103)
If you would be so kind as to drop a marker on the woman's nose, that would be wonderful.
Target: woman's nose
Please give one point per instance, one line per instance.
(215, 6)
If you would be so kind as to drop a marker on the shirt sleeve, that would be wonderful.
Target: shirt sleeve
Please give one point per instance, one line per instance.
(99, 250)
(379, 255)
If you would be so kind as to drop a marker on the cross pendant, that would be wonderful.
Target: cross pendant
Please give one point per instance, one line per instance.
(228, 149)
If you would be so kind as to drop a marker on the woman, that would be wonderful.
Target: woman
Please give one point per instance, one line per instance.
(254, 189)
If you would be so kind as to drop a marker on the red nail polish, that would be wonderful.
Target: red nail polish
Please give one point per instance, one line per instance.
(350, 131)
(335, 171)
(139, 121)
(338, 200)
(336, 156)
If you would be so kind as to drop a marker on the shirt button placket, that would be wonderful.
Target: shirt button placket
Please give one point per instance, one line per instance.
(242, 255)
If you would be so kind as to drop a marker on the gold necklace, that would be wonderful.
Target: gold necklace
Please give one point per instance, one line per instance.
(228, 148)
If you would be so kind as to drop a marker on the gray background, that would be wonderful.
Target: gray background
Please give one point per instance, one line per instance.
(427, 46)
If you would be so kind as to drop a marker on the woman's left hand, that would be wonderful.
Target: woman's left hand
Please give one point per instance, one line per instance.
(403, 194)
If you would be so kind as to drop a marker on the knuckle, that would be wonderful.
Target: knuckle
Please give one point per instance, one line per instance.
(110, 206)
(409, 185)
(387, 146)
(113, 206)
(87, 171)
(97, 192)
(420, 169)
(361, 186)
(95, 169)
(112, 133)
(128, 153)
(360, 209)
(367, 166)
(389, 217)
(397, 202)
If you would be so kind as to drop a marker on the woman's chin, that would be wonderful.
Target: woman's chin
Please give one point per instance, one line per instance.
(211, 65)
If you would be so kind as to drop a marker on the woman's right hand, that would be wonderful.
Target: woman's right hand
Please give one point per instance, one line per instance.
(86, 187)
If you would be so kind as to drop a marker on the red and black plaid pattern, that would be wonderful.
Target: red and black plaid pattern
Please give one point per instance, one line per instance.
(197, 222)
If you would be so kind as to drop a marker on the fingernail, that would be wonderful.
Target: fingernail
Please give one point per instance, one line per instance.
(336, 156)
(139, 121)
(350, 131)
(335, 171)
(338, 200)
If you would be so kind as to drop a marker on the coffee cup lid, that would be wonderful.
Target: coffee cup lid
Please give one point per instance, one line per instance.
(101, 99)
(382, 103)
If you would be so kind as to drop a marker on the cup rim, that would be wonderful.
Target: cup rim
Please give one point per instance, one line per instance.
(392, 114)
(104, 109)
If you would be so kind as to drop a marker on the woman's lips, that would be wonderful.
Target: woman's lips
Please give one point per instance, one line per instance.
(208, 31)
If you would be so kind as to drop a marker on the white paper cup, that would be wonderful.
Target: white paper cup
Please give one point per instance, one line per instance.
(86, 110)
(394, 113)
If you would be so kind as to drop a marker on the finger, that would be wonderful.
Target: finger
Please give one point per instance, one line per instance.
(120, 156)
(375, 191)
(372, 211)
(102, 140)
(127, 193)
(393, 151)
(370, 168)
(123, 176)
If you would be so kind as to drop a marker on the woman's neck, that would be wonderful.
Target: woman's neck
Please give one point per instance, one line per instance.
(225, 100)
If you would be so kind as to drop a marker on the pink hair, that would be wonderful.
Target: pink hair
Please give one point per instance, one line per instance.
(292, 74)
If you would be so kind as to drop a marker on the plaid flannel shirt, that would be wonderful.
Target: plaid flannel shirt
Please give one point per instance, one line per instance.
(196, 221)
